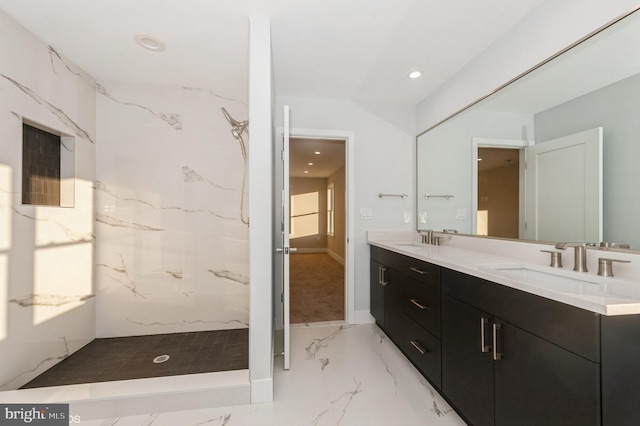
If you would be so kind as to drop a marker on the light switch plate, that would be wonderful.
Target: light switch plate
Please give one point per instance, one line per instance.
(461, 214)
(407, 217)
(365, 213)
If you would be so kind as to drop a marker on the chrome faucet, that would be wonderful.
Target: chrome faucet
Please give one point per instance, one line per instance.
(608, 244)
(426, 236)
(579, 255)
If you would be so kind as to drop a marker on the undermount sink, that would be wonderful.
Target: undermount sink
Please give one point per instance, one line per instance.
(410, 245)
(564, 281)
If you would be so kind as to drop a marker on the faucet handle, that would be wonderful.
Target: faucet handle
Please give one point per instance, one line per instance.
(605, 266)
(556, 258)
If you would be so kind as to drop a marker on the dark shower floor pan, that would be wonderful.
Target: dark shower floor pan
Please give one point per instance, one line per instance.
(123, 358)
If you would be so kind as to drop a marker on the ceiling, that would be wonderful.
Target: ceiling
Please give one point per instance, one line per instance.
(325, 155)
(358, 50)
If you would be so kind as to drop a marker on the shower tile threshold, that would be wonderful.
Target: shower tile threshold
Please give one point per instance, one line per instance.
(139, 396)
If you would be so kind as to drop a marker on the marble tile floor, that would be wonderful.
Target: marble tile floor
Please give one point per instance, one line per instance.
(340, 375)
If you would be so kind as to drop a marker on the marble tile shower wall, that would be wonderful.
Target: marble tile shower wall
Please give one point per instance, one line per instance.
(47, 297)
(173, 238)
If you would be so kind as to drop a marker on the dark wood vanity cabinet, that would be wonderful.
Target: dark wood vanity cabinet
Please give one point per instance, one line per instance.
(505, 357)
(498, 374)
(377, 272)
(405, 302)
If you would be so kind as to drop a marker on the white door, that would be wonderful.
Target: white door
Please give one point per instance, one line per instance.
(564, 189)
(284, 249)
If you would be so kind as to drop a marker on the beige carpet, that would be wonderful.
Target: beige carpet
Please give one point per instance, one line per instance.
(316, 288)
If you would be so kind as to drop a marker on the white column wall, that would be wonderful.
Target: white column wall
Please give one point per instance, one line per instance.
(261, 211)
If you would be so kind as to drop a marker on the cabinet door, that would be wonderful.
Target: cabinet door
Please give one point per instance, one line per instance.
(394, 324)
(467, 371)
(376, 306)
(539, 383)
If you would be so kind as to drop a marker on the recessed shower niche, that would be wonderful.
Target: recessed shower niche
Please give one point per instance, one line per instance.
(47, 166)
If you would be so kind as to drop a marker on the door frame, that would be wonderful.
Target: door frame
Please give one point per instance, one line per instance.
(504, 144)
(349, 261)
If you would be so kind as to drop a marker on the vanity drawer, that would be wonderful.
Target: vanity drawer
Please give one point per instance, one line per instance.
(422, 304)
(418, 270)
(423, 272)
(422, 349)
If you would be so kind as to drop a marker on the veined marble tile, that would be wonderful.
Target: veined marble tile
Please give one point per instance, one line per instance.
(46, 253)
(172, 249)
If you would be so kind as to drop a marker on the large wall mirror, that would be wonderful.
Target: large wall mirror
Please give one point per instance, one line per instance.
(552, 156)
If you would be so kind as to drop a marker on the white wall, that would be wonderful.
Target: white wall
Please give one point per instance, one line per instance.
(173, 250)
(553, 26)
(383, 164)
(47, 301)
(261, 211)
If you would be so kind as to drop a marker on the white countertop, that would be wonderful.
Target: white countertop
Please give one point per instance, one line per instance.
(602, 295)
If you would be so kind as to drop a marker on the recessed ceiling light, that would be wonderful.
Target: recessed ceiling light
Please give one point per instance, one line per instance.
(415, 74)
(306, 171)
(149, 42)
(309, 164)
(317, 152)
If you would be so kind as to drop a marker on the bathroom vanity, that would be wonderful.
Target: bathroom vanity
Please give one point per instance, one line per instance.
(502, 344)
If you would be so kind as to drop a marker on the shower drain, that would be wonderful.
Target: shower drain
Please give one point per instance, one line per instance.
(160, 359)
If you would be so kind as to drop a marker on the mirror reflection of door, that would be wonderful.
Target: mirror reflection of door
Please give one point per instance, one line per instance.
(498, 192)
(317, 212)
(564, 188)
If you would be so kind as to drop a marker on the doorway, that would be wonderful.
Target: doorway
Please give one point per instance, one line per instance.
(317, 215)
(281, 227)
(488, 156)
(498, 192)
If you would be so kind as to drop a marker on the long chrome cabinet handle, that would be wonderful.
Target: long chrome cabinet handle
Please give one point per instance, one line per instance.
(381, 271)
(497, 356)
(419, 271)
(418, 304)
(484, 322)
(418, 347)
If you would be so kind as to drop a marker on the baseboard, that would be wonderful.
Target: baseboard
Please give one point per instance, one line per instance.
(335, 257)
(301, 250)
(261, 391)
(364, 317)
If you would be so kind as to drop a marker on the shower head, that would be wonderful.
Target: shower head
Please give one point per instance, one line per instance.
(238, 126)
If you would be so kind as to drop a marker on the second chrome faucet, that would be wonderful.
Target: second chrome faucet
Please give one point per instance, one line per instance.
(579, 255)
